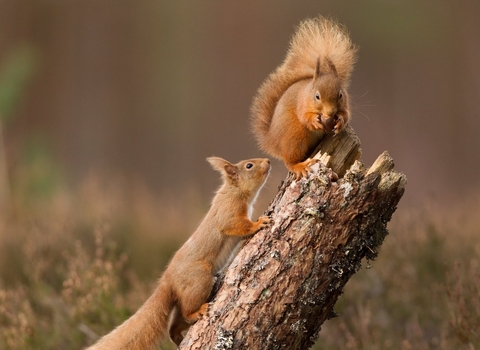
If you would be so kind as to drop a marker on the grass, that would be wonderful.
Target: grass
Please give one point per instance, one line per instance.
(76, 263)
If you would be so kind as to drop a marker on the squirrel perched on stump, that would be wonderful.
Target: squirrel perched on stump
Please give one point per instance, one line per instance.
(180, 298)
(306, 96)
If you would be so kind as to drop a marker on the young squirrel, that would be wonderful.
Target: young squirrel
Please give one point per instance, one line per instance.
(185, 285)
(306, 96)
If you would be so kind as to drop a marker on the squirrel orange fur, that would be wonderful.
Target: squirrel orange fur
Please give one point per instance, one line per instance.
(306, 96)
(183, 289)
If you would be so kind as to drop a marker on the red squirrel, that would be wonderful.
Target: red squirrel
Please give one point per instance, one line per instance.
(182, 291)
(306, 96)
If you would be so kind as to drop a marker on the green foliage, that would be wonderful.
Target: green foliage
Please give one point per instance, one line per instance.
(15, 72)
(41, 175)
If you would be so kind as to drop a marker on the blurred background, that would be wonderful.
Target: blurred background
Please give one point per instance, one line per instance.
(107, 113)
(150, 89)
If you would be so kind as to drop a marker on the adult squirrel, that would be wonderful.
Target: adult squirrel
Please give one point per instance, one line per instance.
(306, 96)
(185, 285)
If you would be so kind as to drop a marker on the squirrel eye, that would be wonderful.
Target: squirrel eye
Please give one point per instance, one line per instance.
(249, 165)
(317, 96)
(340, 95)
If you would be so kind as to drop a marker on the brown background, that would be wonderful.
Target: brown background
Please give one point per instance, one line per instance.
(149, 89)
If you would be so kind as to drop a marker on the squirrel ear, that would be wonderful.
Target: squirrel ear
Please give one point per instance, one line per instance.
(332, 67)
(316, 74)
(231, 170)
(223, 166)
(217, 163)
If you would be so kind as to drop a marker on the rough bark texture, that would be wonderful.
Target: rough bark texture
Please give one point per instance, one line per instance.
(285, 281)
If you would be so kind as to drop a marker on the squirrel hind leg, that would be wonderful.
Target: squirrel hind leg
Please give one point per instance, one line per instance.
(303, 168)
(177, 327)
(195, 316)
(181, 323)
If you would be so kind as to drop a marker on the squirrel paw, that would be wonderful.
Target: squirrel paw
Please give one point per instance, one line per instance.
(203, 309)
(265, 221)
(302, 169)
(193, 317)
(262, 222)
(339, 125)
(316, 123)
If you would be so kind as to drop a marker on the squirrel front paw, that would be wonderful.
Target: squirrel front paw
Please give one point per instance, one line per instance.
(339, 125)
(264, 221)
(316, 123)
(312, 121)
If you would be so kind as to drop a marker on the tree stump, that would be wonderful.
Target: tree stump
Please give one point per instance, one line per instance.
(285, 281)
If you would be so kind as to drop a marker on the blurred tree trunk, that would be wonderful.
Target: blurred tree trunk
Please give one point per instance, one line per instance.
(285, 281)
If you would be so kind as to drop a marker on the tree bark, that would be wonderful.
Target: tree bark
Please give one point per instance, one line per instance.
(285, 281)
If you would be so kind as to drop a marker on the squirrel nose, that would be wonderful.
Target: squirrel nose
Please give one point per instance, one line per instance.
(330, 112)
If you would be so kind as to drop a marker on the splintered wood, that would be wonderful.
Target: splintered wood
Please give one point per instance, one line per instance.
(338, 152)
(285, 281)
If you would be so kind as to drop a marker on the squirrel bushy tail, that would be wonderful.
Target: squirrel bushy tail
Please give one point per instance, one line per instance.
(315, 39)
(145, 328)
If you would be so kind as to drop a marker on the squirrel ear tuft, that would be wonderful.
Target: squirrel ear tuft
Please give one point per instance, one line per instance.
(316, 73)
(332, 67)
(223, 166)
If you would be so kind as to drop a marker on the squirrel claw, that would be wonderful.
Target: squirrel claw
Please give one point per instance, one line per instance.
(339, 125)
(203, 309)
(195, 316)
(265, 221)
(303, 168)
(316, 124)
